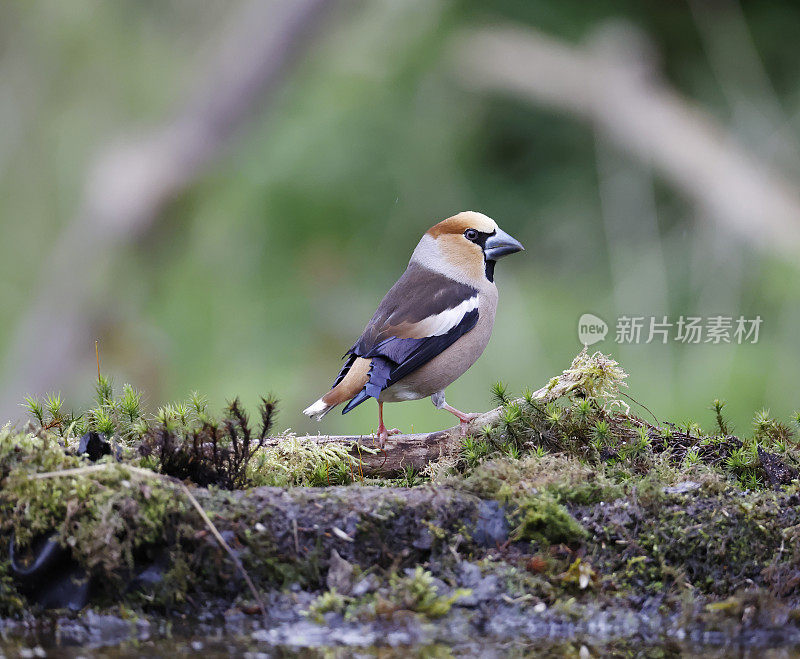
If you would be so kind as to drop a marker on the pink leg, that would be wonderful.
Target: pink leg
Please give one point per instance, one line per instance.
(383, 433)
(465, 418)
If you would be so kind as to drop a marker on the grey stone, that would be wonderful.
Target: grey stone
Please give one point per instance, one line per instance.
(368, 584)
(683, 487)
(491, 528)
(340, 574)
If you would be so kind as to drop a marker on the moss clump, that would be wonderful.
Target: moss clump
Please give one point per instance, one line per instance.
(206, 451)
(119, 416)
(543, 520)
(585, 422)
(594, 377)
(327, 602)
(104, 516)
(297, 461)
(715, 543)
(11, 602)
(566, 478)
(417, 592)
(535, 490)
(184, 440)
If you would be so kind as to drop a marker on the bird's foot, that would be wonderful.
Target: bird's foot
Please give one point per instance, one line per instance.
(383, 434)
(465, 420)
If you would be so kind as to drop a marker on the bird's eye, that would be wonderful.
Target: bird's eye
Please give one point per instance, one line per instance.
(471, 234)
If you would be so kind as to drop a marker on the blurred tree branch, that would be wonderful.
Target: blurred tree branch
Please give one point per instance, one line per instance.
(130, 183)
(611, 83)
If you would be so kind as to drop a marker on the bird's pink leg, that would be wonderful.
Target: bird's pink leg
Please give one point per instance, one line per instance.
(383, 433)
(465, 418)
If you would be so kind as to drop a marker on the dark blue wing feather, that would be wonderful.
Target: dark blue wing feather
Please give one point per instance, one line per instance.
(351, 357)
(379, 374)
(394, 358)
(359, 398)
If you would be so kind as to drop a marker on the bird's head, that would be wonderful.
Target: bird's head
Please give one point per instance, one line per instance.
(465, 247)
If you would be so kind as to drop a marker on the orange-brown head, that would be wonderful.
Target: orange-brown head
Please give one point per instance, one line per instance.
(465, 247)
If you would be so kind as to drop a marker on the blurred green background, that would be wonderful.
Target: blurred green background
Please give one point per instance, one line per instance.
(264, 269)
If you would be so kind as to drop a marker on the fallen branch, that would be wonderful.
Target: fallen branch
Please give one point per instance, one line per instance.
(414, 450)
(401, 452)
(596, 376)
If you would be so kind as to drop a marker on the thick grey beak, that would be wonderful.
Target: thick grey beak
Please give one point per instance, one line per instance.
(500, 244)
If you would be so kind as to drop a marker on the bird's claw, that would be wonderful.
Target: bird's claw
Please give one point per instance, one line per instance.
(383, 434)
(464, 422)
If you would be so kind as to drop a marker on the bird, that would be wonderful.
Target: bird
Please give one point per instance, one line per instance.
(430, 327)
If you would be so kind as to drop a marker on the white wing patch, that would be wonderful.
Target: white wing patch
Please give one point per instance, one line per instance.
(442, 323)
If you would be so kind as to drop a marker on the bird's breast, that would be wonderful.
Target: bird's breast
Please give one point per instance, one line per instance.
(453, 362)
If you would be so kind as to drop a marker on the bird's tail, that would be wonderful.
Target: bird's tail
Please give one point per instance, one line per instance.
(353, 381)
(318, 410)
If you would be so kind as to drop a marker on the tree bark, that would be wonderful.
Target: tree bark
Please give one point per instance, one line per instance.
(401, 451)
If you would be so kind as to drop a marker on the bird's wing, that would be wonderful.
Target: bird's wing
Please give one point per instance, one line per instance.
(423, 314)
(345, 368)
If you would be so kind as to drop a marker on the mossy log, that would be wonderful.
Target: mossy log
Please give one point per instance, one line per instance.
(403, 451)
(592, 376)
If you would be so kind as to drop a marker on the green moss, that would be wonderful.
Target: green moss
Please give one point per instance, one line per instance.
(590, 491)
(103, 516)
(11, 602)
(563, 479)
(624, 447)
(113, 521)
(713, 542)
(115, 416)
(328, 601)
(300, 461)
(417, 592)
(543, 520)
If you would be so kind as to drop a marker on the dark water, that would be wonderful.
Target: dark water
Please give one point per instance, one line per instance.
(100, 635)
(244, 647)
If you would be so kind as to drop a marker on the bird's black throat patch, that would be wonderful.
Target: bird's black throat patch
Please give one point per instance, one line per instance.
(490, 270)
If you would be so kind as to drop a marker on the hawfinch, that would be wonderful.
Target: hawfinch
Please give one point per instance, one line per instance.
(432, 325)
